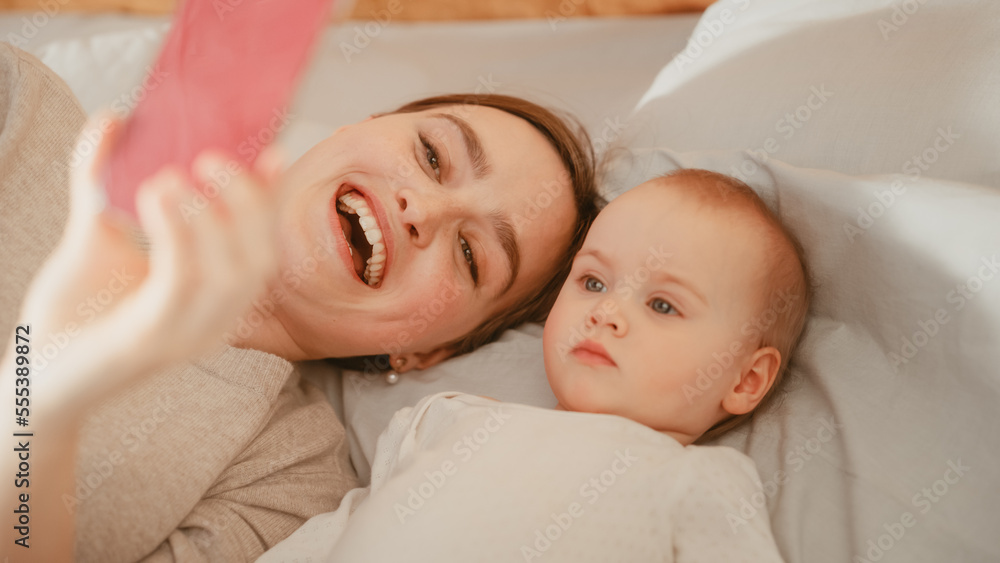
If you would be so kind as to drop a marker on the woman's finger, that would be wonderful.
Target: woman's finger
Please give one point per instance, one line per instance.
(233, 261)
(219, 255)
(226, 217)
(250, 212)
(157, 203)
(88, 198)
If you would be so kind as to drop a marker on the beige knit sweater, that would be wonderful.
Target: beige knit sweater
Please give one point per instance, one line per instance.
(215, 459)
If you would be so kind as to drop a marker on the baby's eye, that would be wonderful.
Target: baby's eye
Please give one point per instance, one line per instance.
(593, 284)
(661, 306)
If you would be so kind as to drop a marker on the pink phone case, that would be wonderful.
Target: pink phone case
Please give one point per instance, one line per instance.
(229, 69)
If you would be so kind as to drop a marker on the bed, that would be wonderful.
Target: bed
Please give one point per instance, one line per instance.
(870, 126)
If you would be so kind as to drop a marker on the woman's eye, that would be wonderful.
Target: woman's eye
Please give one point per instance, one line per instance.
(432, 156)
(470, 259)
(593, 284)
(661, 306)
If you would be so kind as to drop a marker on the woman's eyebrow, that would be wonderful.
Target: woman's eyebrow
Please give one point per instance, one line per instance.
(480, 164)
(508, 241)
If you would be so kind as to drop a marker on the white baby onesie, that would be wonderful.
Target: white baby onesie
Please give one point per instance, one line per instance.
(464, 478)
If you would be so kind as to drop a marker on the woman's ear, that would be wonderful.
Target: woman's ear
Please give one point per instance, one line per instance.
(756, 378)
(421, 360)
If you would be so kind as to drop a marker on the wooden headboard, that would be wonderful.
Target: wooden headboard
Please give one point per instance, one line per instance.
(410, 10)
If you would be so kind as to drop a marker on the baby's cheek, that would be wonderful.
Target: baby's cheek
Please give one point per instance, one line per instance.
(686, 372)
(578, 395)
(556, 337)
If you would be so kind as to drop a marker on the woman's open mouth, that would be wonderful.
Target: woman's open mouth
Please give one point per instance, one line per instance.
(364, 237)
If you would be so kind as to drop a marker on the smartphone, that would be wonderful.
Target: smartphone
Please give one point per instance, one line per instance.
(228, 70)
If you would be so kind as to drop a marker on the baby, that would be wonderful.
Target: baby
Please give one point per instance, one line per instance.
(681, 310)
(676, 323)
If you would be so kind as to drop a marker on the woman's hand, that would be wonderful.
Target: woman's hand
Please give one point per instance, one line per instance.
(103, 315)
(110, 313)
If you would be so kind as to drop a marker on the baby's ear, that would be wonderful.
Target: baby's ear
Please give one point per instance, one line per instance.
(757, 377)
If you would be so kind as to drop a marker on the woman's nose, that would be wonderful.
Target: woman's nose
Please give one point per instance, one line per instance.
(422, 213)
(608, 314)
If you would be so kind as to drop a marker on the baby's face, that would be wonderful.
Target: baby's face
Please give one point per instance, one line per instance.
(657, 295)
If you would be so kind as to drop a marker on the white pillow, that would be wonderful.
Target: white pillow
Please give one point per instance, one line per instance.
(829, 85)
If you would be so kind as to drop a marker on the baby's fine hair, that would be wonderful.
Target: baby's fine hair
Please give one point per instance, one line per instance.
(785, 287)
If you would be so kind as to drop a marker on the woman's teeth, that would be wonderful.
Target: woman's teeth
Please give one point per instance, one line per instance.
(354, 204)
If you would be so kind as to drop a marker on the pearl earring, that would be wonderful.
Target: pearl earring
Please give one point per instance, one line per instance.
(392, 377)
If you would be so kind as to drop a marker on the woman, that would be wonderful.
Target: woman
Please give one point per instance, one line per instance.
(219, 457)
